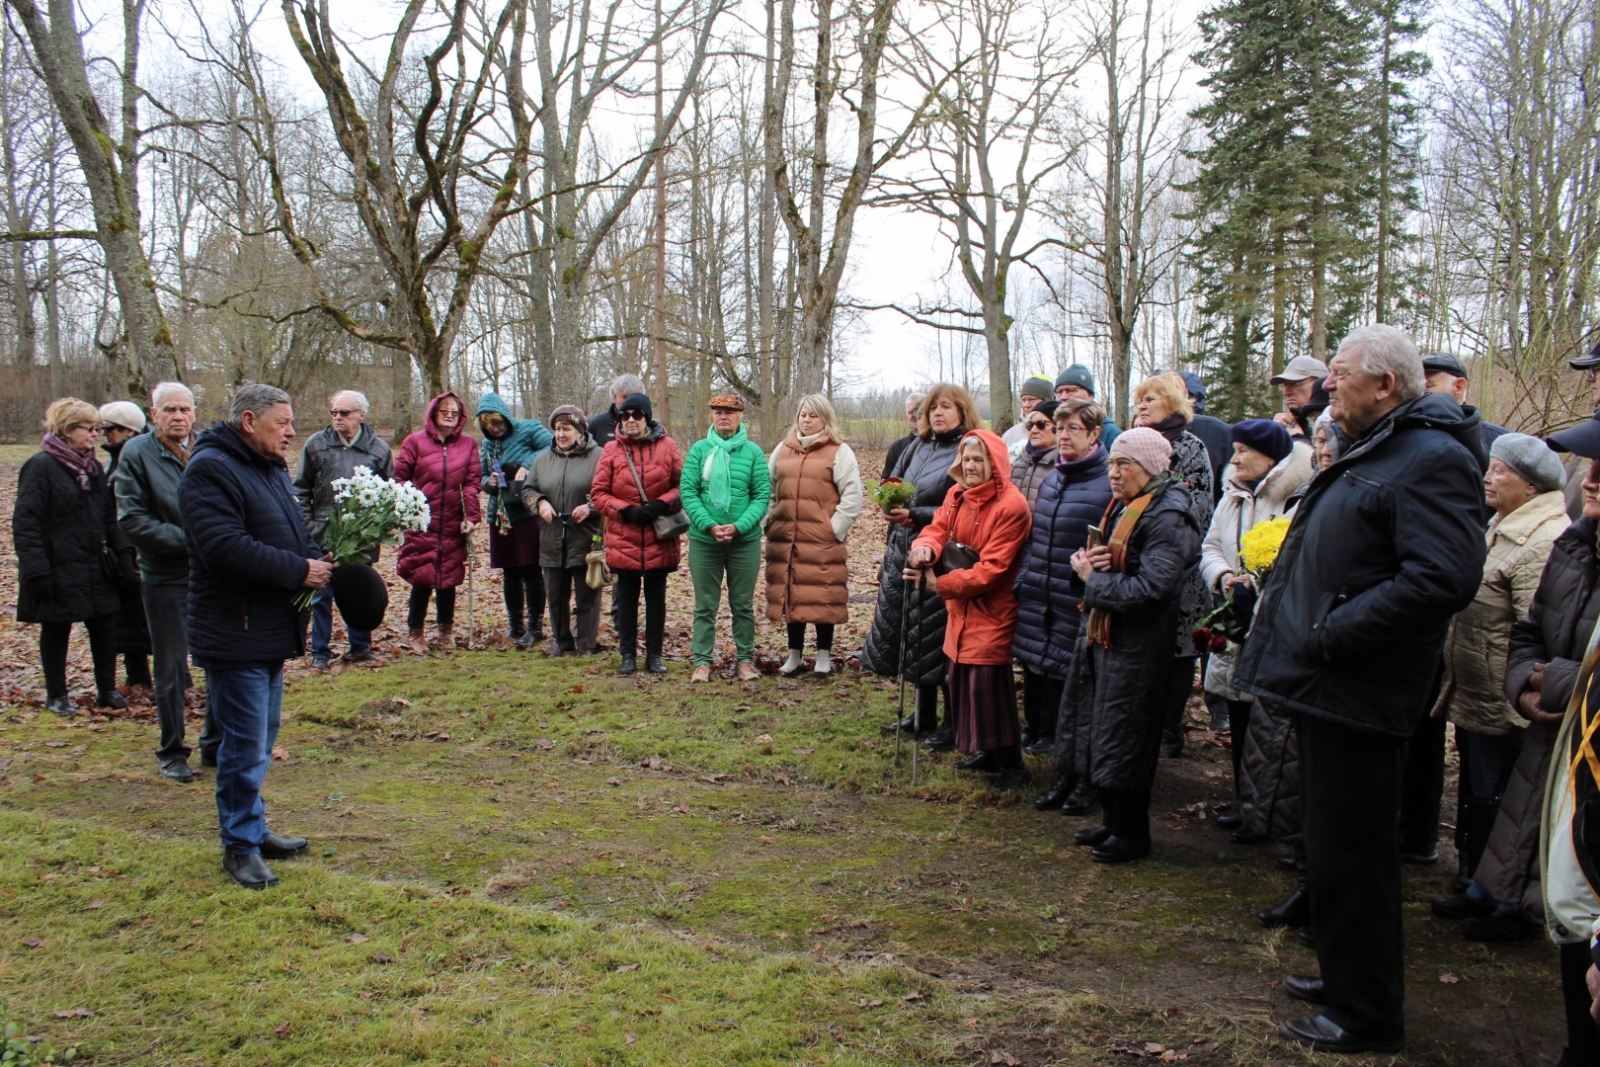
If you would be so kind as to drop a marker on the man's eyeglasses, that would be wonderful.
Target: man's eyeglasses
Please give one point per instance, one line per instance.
(633, 416)
(340, 413)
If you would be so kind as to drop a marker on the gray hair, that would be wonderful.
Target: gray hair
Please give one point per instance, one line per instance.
(627, 383)
(256, 398)
(163, 388)
(916, 398)
(360, 401)
(1387, 350)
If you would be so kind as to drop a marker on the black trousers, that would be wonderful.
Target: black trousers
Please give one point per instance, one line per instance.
(1350, 783)
(1238, 726)
(565, 588)
(1583, 1040)
(625, 598)
(1422, 791)
(417, 607)
(797, 636)
(1041, 700)
(928, 706)
(166, 611)
(1175, 699)
(1128, 814)
(525, 586)
(102, 647)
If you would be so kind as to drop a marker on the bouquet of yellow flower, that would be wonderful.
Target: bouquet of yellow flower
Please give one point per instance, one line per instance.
(1259, 546)
(1224, 627)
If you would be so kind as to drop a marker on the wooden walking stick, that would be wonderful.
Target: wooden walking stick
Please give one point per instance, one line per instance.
(905, 609)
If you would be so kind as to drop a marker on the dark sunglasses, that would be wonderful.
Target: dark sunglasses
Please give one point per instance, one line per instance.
(1037, 424)
(634, 416)
(341, 412)
(106, 427)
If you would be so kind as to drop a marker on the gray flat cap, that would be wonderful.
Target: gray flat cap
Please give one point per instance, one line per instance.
(1531, 458)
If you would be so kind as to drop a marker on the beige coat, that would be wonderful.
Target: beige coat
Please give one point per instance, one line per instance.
(1475, 651)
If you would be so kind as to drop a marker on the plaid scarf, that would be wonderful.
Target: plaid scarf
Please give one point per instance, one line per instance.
(1099, 619)
(82, 465)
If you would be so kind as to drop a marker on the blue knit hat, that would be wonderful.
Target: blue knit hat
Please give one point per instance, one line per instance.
(1263, 435)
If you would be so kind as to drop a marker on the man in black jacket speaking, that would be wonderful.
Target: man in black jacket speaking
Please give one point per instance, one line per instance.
(249, 557)
(1386, 546)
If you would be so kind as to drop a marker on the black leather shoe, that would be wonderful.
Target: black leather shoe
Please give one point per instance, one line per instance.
(1287, 862)
(1083, 801)
(1172, 747)
(653, 665)
(1012, 780)
(1306, 987)
(630, 665)
(208, 759)
(983, 761)
(1115, 849)
(908, 725)
(1503, 927)
(177, 770)
(1321, 1034)
(114, 700)
(941, 740)
(1028, 738)
(1040, 747)
(1463, 907)
(249, 870)
(1229, 820)
(527, 639)
(1056, 795)
(320, 663)
(274, 847)
(61, 706)
(368, 656)
(1293, 910)
(1421, 857)
(1307, 937)
(1092, 837)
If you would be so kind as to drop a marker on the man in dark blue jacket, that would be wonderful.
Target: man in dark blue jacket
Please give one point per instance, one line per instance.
(249, 557)
(1386, 546)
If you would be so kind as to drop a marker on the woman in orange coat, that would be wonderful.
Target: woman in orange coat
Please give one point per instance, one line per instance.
(985, 513)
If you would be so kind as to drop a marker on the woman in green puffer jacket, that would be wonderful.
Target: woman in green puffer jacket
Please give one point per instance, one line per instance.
(725, 489)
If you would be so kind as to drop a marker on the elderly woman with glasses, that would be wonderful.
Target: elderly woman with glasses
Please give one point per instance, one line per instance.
(71, 555)
(636, 483)
(506, 456)
(726, 487)
(1037, 459)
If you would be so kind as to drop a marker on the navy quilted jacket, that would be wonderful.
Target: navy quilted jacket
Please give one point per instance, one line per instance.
(248, 549)
(1073, 498)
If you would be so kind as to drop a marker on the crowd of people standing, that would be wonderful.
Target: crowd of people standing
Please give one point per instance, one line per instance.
(1429, 568)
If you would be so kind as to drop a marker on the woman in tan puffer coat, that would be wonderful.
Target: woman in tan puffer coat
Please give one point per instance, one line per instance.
(1523, 486)
(816, 497)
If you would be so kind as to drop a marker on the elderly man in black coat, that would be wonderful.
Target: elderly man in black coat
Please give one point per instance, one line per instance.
(1386, 546)
(249, 557)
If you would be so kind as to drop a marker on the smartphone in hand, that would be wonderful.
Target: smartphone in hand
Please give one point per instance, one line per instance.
(1097, 537)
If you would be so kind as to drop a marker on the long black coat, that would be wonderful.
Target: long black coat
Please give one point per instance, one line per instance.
(926, 464)
(1385, 547)
(58, 530)
(248, 553)
(1072, 498)
(1111, 712)
(133, 632)
(1269, 776)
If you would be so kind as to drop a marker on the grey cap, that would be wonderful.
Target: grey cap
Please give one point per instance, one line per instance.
(1588, 362)
(1433, 362)
(1301, 368)
(1531, 458)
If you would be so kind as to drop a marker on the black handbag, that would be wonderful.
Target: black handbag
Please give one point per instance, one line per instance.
(956, 555)
(672, 525)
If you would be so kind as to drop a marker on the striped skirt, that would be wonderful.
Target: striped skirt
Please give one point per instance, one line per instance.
(984, 699)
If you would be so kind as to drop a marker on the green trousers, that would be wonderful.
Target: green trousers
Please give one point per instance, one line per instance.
(740, 560)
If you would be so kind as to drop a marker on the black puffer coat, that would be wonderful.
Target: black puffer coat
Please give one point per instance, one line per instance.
(1509, 869)
(1385, 547)
(133, 631)
(58, 530)
(248, 553)
(926, 465)
(1269, 776)
(1111, 712)
(1072, 498)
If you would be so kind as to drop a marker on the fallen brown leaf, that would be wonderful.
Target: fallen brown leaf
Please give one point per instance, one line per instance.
(358, 938)
(283, 754)
(281, 1031)
(73, 1013)
(1004, 1059)
(33, 942)
(630, 1037)
(626, 967)
(1449, 979)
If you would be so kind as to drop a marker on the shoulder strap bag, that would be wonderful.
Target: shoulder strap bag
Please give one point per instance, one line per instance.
(667, 527)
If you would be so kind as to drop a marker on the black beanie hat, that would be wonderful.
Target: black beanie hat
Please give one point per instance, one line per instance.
(637, 402)
(1263, 435)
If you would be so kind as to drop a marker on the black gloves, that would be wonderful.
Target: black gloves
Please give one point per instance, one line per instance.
(656, 508)
(635, 514)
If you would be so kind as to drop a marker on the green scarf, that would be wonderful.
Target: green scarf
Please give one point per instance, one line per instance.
(718, 469)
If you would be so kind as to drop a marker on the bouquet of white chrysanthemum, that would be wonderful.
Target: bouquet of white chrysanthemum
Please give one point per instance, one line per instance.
(369, 511)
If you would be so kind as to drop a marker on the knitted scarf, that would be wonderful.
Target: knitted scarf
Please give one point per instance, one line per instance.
(718, 471)
(1099, 619)
(82, 465)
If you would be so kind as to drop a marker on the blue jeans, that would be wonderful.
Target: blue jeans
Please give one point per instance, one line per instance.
(246, 702)
(322, 626)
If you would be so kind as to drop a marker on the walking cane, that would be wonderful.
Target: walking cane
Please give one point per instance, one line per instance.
(905, 609)
(914, 745)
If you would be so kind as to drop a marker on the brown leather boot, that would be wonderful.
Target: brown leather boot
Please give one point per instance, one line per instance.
(447, 637)
(418, 641)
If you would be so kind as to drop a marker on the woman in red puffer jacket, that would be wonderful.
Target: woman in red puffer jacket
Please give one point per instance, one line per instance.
(640, 559)
(443, 463)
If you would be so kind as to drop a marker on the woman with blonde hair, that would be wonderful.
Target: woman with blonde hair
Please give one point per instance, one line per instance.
(1162, 404)
(816, 498)
(71, 555)
(947, 413)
